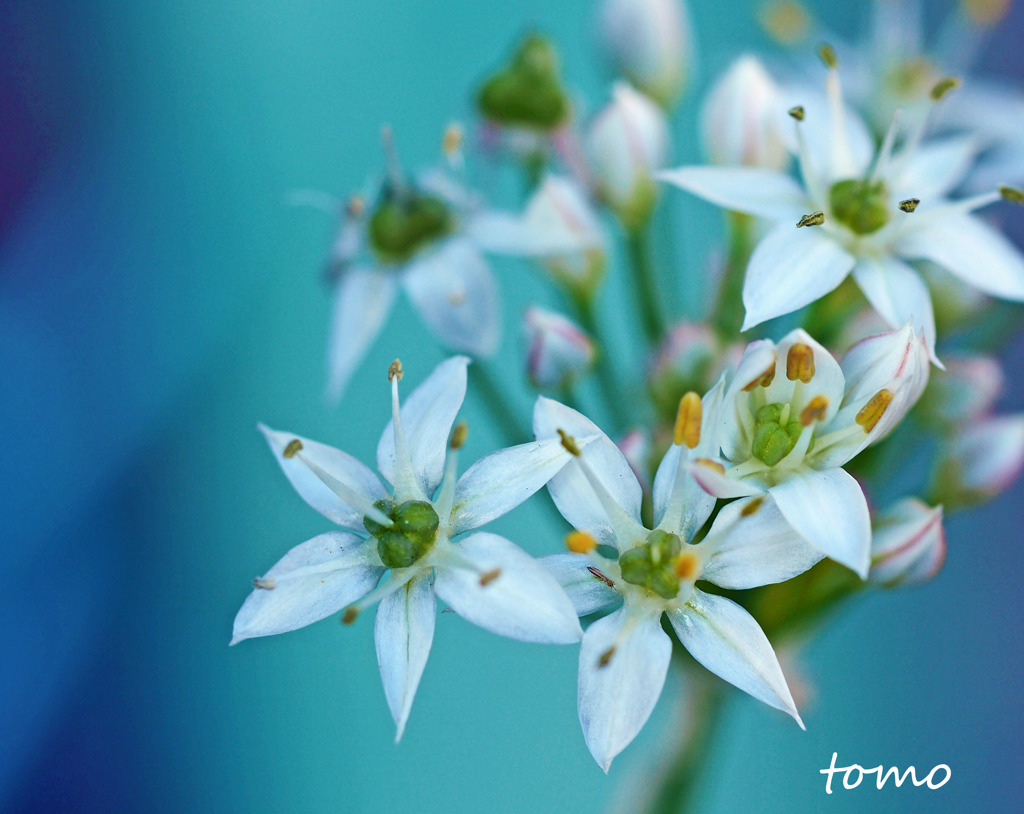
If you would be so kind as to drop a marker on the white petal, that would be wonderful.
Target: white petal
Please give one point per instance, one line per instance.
(899, 295)
(729, 642)
(935, 168)
(427, 417)
(736, 433)
(830, 511)
(361, 304)
(403, 633)
(719, 484)
(570, 488)
(313, 580)
(455, 294)
(616, 700)
(756, 191)
(587, 592)
(523, 602)
(970, 249)
(342, 466)
(499, 232)
(791, 268)
(758, 549)
(498, 483)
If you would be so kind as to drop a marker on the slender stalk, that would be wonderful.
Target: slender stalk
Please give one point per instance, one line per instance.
(727, 316)
(498, 404)
(614, 398)
(647, 300)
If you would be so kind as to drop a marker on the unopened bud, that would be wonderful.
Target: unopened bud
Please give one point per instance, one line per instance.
(981, 461)
(557, 352)
(908, 544)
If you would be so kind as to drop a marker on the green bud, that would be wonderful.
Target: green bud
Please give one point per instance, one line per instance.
(635, 565)
(772, 440)
(861, 206)
(528, 91)
(401, 226)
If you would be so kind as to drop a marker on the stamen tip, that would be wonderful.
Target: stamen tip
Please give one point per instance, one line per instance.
(606, 657)
(909, 205)
(798, 112)
(688, 421)
(813, 219)
(753, 507)
(580, 542)
(395, 370)
(569, 443)
(459, 435)
(350, 614)
(816, 410)
(489, 576)
(944, 86)
(1012, 194)
(293, 448)
(827, 54)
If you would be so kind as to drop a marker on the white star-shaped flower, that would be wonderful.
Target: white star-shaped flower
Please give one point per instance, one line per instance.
(412, 533)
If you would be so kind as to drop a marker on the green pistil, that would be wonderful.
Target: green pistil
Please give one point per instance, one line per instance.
(775, 434)
(528, 92)
(861, 206)
(411, 535)
(651, 564)
(402, 225)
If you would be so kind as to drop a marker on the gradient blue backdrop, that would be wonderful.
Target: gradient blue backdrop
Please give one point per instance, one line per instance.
(157, 299)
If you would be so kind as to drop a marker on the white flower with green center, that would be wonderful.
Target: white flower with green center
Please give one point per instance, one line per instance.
(869, 215)
(624, 656)
(793, 417)
(411, 533)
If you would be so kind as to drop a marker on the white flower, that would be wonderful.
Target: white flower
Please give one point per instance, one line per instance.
(908, 544)
(742, 118)
(864, 214)
(624, 656)
(649, 42)
(557, 350)
(625, 144)
(793, 417)
(981, 460)
(483, 577)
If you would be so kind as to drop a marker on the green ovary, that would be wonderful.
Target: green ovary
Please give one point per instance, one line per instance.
(411, 535)
(861, 206)
(529, 91)
(401, 226)
(652, 564)
(775, 434)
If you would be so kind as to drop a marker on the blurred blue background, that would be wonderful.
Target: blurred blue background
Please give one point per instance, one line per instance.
(157, 299)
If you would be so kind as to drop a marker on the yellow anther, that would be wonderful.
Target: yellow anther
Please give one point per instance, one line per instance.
(871, 413)
(800, 363)
(294, 448)
(944, 86)
(985, 12)
(606, 657)
(264, 583)
(356, 207)
(815, 410)
(798, 112)
(909, 205)
(688, 419)
(827, 54)
(569, 443)
(459, 435)
(452, 141)
(710, 464)
(579, 542)
(785, 21)
(753, 507)
(350, 614)
(1012, 195)
(813, 219)
(764, 379)
(489, 576)
(395, 369)
(686, 566)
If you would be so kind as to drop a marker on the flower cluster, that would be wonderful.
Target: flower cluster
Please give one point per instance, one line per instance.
(769, 445)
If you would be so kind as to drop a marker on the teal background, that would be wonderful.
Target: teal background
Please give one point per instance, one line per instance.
(157, 299)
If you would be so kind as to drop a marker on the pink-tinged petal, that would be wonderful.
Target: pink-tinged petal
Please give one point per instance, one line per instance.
(587, 590)
(454, 292)
(362, 302)
(899, 295)
(519, 598)
(969, 248)
(340, 465)
(791, 268)
(982, 460)
(709, 475)
(427, 417)
(729, 642)
(403, 633)
(619, 688)
(755, 191)
(312, 581)
(829, 510)
(908, 545)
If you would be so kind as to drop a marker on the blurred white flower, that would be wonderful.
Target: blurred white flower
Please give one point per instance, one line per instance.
(624, 656)
(483, 577)
(557, 350)
(980, 460)
(967, 390)
(649, 43)
(793, 417)
(626, 143)
(908, 544)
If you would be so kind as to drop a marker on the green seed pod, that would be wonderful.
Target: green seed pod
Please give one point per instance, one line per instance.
(663, 546)
(397, 550)
(418, 521)
(861, 206)
(371, 525)
(772, 441)
(664, 583)
(400, 227)
(635, 565)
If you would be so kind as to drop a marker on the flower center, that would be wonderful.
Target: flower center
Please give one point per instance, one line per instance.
(529, 91)
(411, 535)
(657, 564)
(776, 432)
(861, 206)
(401, 225)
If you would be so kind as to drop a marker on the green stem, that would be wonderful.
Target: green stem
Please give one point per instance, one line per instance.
(648, 304)
(727, 316)
(614, 399)
(498, 404)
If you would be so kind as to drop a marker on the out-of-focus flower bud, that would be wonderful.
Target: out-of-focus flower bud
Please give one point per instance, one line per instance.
(627, 142)
(636, 446)
(908, 544)
(557, 350)
(953, 300)
(690, 359)
(982, 460)
(649, 43)
(967, 389)
(741, 119)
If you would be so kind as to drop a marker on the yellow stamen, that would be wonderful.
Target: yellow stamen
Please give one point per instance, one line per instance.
(395, 369)
(489, 576)
(815, 410)
(350, 614)
(800, 363)
(710, 464)
(606, 657)
(764, 379)
(827, 54)
(688, 419)
(944, 86)
(753, 507)
(458, 435)
(569, 443)
(294, 448)
(871, 413)
(579, 542)
(686, 566)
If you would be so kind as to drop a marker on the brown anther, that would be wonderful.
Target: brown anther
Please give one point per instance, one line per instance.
(688, 420)
(606, 657)
(710, 464)
(395, 370)
(579, 542)
(798, 112)
(686, 566)
(459, 434)
(871, 413)
(813, 219)
(356, 207)
(909, 205)
(827, 54)
(944, 86)
(601, 576)
(452, 140)
(816, 410)
(1012, 195)
(753, 507)
(488, 577)
(294, 448)
(264, 583)
(569, 443)
(764, 380)
(800, 363)
(350, 614)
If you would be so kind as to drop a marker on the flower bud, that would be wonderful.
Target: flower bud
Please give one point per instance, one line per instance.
(627, 142)
(967, 389)
(690, 358)
(636, 446)
(981, 461)
(740, 120)
(908, 544)
(649, 43)
(557, 350)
